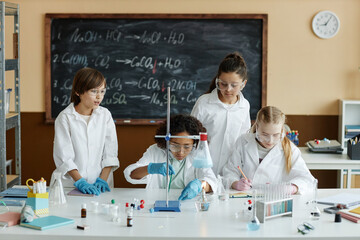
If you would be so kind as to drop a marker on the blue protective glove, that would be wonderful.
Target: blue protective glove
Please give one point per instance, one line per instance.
(160, 168)
(86, 187)
(102, 185)
(191, 190)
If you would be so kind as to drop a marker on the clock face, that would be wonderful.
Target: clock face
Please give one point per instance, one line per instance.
(326, 24)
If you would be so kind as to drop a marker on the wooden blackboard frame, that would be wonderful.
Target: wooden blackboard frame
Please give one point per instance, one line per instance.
(49, 17)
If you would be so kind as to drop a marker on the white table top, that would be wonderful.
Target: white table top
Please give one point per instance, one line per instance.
(219, 222)
(328, 160)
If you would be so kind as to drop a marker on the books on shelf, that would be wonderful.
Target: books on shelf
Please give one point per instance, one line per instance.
(352, 130)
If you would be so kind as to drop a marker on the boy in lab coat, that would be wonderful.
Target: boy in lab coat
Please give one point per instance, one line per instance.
(85, 144)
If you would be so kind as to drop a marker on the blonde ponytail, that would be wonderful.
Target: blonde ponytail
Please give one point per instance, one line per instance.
(286, 145)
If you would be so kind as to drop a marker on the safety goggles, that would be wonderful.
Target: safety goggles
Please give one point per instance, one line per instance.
(268, 138)
(221, 85)
(95, 92)
(177, 147)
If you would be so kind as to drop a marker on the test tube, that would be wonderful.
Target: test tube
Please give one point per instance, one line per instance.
(105, 208)
(95, 206)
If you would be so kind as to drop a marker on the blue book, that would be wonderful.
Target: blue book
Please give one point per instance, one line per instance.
(352, 128)
(15, 192)
(47, 222)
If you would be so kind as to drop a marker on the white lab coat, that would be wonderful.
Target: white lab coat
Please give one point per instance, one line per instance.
(85, 147)
(224, 124)
(272, 168)
(155, 154)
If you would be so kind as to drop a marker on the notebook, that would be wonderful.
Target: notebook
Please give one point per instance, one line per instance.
(345, 214)
(47, 222)
(15, 192)
(11, 218)
(18, 202)
(347, 199)
(76, 192)
(356, 211)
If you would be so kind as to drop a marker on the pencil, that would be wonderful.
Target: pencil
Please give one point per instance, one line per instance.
(242, 173)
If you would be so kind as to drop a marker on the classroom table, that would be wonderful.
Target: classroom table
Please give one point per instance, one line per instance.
(223, 220)
(331, 161)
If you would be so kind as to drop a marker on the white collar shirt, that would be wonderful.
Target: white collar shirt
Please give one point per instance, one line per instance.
(87, 147)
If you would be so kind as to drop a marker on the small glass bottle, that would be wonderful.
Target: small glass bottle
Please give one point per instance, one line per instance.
(202, 158)
(129, 219)
(83, 213)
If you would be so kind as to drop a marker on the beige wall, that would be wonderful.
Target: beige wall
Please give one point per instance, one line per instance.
(306, 75)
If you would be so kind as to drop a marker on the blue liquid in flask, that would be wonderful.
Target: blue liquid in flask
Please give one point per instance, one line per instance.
(201, 163)
(253, 225)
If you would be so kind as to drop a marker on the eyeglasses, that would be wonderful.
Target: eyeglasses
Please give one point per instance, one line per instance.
(268, 138)
(305, 228)
(94, 92)
(177, 147)
(221, 85)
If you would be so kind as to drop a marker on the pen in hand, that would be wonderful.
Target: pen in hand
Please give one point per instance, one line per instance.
(244, 175)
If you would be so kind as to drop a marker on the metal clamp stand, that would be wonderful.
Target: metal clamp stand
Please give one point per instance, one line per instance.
(160, 205)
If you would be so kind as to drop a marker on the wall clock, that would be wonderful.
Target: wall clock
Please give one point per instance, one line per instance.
(325, 24)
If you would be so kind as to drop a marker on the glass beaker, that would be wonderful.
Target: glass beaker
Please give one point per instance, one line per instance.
(56, 194)
(314, 210)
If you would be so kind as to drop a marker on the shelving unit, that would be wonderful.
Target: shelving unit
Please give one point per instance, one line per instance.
(349, 114)
(12, 119)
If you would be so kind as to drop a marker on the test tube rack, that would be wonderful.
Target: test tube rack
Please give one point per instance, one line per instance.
(271, 209)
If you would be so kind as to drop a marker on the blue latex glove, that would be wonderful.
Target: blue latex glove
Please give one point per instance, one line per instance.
(160, 168)
(191, 190)
(102, 185)
(86, 187)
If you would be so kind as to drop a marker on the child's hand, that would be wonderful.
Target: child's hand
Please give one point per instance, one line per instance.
(191, 190)
(160, 168)
(86, 187)
(242, 184)
(294, 189)
(102, 185)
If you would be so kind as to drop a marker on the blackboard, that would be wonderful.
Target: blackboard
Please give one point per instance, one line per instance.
(140, 55)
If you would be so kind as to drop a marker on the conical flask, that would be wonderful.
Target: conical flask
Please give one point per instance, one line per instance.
(56, 194)
(202, 158)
